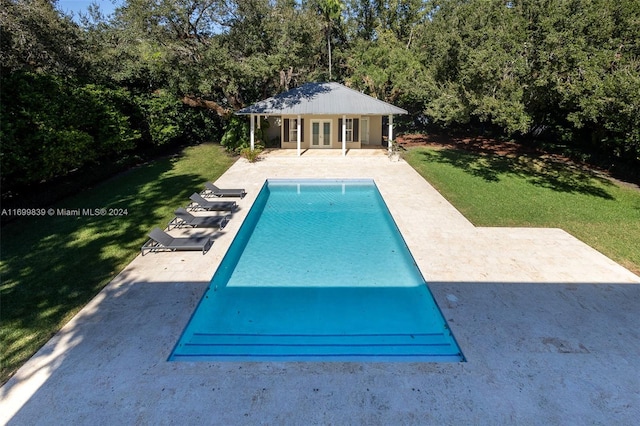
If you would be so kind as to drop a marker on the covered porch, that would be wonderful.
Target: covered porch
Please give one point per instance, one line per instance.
(323, 116)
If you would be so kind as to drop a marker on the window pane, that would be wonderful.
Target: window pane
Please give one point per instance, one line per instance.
(315, 133)
(293, 130)
(326, 137)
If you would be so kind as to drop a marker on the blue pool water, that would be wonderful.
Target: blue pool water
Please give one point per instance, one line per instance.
(318, 271)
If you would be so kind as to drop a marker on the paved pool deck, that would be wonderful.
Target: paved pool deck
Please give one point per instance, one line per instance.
(549, 327)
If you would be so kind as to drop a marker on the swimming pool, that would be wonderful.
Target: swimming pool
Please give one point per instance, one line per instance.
(317, 271)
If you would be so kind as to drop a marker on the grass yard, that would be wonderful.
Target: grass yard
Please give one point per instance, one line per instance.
(492, 190)
(52, 266)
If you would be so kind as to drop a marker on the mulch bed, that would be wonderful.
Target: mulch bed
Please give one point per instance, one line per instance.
(491, 146)
(477, 144)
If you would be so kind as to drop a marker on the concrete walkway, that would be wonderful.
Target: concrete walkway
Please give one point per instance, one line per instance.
(549, 327)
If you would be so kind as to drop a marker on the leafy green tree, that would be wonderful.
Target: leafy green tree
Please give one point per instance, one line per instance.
(539, 68)
(477, 59)
(579, 51)
(166, 119)
(401, 17)
(34, 36)
(387, 69)
(362, 19)
(50, 127)
(161, 71)
(235, 53)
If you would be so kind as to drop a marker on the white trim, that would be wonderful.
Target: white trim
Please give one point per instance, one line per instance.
(349, 133)
(364, 130)
(321, 122)
(390, 135)
(252, 133)
(299, 134)
(344, 135)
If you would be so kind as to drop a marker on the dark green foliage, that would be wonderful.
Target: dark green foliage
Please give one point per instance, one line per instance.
(236, 134)
(380, 69)
(561, 71)
(50, 126)
(34, 37)
(166, 119)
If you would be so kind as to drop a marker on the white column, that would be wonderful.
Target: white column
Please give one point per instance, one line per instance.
(299, 127)
(252, 132)
(390, 133)
(344, 135)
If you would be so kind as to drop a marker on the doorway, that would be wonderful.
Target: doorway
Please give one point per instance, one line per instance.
(321, 134)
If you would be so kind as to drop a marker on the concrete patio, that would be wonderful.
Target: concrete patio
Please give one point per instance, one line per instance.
(549, 327)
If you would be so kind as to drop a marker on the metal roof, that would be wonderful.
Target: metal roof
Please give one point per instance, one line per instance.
(321, 99)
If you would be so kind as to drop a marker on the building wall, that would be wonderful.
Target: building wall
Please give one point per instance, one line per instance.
(375, 131)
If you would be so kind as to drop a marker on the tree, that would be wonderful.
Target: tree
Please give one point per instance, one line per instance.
(362, 19)
(475, 52)
(34, 36)
(402, 17)
(330, 11)
(230, 54)
(50, 125)
(388, 70)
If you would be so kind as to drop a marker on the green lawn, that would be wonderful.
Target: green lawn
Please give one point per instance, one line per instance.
(532, 192)
(52, 266)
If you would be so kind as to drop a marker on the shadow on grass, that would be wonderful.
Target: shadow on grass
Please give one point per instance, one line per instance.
(538, 171)
(51, 266)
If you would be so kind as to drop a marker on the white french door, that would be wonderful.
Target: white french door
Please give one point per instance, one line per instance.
(321, 134)
(364, 130)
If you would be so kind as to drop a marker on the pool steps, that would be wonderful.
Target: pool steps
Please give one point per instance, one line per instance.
(328, 347)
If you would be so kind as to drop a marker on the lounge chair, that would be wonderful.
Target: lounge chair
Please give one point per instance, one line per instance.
(214, 191)
(184, 218)
(160, 241)
(200, 203)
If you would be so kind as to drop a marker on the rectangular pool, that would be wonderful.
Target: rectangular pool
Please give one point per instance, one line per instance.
(318, 271)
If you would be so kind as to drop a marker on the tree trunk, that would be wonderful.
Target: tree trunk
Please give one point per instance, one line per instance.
(196, 102)
(329, 47)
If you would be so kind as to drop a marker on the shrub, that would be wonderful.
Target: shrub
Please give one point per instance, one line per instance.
(51, 126)
(236, 134)
(251, 155)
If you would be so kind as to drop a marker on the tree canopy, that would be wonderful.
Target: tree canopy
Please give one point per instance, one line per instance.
(79, 91)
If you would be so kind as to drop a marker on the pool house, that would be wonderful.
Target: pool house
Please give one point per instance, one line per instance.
(323, 116)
